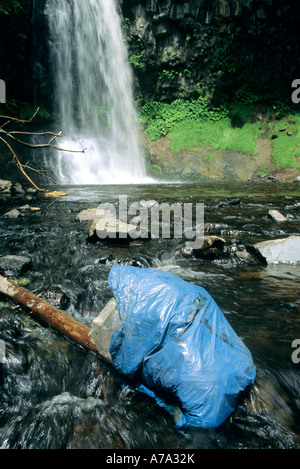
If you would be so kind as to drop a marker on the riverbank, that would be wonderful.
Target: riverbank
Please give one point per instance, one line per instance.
(190, 141)
(201, 163)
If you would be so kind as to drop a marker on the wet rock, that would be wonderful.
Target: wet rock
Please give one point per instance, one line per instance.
(29, 208)
(55, 194)
(18, 189)
(245, 257)
(276, 216)
(3, 358)
(12, 265)
(110, 228)
(15, 213)
(106, 258)
(56, 297)
(31, 191)
(235, 201)
(91, 214)
(280, 251)
(215, 228)
(212, 248)
(5, 187)
(212, 254)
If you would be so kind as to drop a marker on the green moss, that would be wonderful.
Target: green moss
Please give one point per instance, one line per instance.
(286, 147)
(156, 169)
(219, 135)
(192, 124)
(263, 171)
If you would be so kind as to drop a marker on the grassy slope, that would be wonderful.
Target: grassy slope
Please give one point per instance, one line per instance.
(193, 125)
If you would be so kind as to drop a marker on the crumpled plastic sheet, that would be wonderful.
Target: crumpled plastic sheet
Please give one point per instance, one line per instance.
(176, 342)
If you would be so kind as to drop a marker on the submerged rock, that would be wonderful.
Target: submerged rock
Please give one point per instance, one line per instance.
(280, 251)
(10, 265)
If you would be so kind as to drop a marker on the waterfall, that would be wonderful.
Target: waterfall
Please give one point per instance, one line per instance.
(93, 92)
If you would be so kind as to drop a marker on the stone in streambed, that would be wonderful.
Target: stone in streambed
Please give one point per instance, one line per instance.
(91, 214)
(212, 247)
(5, 187)
(276, 216)
(11, 265)
(15, 213)
(280, 251)
(110, 228)
(18, 189)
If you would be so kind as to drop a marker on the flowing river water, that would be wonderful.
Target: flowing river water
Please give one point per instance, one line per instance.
(55, 394)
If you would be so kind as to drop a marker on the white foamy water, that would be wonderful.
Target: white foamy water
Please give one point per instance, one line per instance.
(93, 89)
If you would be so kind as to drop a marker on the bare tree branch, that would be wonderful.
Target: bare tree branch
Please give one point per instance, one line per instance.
(11, 135)
(22, 121)
(19, 164)
(41, 145)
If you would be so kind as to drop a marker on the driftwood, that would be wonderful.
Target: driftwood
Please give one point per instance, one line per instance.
(59, 320)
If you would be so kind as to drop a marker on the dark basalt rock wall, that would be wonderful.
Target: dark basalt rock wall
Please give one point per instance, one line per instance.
(177, 47)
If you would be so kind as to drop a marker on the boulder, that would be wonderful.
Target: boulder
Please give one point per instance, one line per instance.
(5, 186)
(18, 189)
(110, 228)
(13, 214)
(11, 265)
(213, 244)
(90, 214)
(275, 215)
(280, 251)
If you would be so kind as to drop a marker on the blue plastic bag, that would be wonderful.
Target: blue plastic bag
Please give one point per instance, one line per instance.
(176, 341)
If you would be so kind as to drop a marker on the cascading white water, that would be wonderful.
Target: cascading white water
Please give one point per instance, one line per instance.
(93, 89)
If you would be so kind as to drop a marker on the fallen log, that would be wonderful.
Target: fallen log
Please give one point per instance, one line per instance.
(59, 320)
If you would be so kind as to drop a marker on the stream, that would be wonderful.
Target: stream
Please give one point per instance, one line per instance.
(56, 395)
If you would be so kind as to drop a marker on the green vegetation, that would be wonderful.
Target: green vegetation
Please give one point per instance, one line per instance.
(286, 147)
(192, 123)
(161, 118)
(138, 60)
(196, 125)
(218, 135)
(263, 171)
(10, 6)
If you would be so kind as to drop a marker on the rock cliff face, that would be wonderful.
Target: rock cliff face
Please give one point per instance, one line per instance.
(177, 47)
